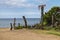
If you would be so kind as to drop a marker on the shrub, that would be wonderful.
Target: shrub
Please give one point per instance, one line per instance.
(19, 27)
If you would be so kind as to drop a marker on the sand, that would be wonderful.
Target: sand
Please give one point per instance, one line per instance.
(23, 34)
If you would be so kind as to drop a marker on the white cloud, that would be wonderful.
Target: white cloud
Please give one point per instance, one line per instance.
(20, 3)
(41, 2)
(12, 1)
(16, 3)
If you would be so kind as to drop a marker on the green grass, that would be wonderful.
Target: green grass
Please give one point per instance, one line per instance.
(54, 33)
(46, 32)
(19, 27)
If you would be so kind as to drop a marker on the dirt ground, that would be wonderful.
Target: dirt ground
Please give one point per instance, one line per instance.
(23, 34)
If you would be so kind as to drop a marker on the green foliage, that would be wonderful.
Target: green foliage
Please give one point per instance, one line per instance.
(37, 26)
(29, 27)
(48, 15)
(54, 32)
(19, 27)
(47, 27)
(46, 32)
(57, 28)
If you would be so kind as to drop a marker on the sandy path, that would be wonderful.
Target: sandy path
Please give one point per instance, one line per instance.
(23, 34)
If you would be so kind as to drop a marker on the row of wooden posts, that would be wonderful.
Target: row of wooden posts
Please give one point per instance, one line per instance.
(13, 25)
(42, 11)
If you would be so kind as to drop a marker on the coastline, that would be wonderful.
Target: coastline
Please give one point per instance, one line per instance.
(4, 29)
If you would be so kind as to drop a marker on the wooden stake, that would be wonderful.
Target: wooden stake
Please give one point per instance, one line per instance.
(25, 21)
(11, 26)
(14, 24)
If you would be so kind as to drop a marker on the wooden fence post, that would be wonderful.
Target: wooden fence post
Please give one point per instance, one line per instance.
(25, 21)
(14, 24)
(19, 24)
(11, 26)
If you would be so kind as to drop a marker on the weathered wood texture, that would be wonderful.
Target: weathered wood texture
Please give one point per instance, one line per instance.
(25, 21)
(11, 26)
(14, 24)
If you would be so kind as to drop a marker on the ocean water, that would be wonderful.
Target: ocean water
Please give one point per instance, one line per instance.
(5, 22)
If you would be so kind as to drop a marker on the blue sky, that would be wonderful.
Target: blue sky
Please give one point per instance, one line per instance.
(28, 8)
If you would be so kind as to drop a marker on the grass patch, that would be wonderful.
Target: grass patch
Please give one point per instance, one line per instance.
(54, 33)
(19, 27)
(46, 32)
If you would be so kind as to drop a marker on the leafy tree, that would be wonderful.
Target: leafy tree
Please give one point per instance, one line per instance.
(48, 15)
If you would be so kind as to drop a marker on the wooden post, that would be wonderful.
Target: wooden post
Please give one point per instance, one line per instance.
(25, 21)
(18, 24)
(11, 26)
(14, 24)
(42, 12)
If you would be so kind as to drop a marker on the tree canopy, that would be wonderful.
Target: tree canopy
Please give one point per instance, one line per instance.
(48, 15)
